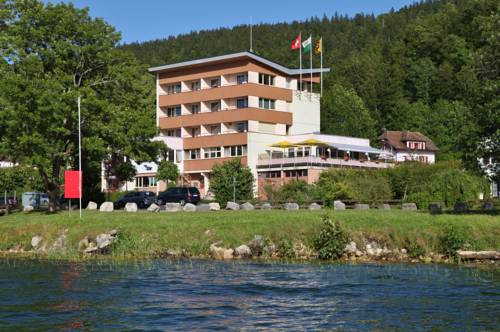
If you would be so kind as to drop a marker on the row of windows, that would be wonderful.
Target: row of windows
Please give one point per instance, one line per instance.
(416, 145)
(288, 174)
(216, 152)
(239, 127)
(145, 181)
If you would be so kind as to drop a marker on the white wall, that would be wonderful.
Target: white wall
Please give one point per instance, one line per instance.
(306, 114)
(400, 156)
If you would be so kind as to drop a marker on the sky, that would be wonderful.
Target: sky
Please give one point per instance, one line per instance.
(141, 20)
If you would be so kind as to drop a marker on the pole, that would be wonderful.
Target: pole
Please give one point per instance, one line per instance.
(80, 156)
(321, 66)
(300, 61)
(311, 64)
(234, 189)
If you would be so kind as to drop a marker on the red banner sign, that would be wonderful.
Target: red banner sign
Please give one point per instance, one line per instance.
(72, 184)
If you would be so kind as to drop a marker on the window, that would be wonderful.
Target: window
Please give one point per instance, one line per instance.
(270, 174)
(195, 85)
(213, 152)
(269, 104)
(291, 152)
(195, 108)
(173, 132)
(215, 106)
(242, 78)
(241, 127)
(215, 83)
(174, 111)
(192, 154)
(266, 79)
(173, 88)
(242, 103)
(194, 131)
(296, 173)
(235, 151)
(214, 130)
(170, 155)
(145, 181)
(178, 156)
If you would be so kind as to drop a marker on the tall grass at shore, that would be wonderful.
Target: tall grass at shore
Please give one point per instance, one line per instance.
(143, 234)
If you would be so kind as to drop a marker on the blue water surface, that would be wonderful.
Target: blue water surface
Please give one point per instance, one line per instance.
(207, 295)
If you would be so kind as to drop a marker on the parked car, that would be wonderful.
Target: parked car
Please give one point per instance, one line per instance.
(181, 195)
(143, 199)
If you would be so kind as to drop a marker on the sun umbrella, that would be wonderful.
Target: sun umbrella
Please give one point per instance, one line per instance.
(312, 142)
(283, 145)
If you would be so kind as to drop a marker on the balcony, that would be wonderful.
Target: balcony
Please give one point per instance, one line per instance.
(215, 140)
(226, 91)
(314, 161)
(224, 116)
(200, 165)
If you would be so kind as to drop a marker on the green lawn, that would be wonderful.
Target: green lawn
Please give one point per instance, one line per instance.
(143, 233)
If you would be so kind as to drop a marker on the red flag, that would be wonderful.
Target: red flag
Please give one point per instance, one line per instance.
(296, 43)
(72, 184)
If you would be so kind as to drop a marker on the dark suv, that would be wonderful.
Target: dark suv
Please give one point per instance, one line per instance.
(143, 199)
(181, 195)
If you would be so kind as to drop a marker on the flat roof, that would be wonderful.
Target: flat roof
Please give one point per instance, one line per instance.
(233, 56)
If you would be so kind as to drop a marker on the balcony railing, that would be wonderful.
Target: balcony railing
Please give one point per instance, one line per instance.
(290, 162)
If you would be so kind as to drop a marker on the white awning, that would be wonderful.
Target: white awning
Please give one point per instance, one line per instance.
(357, 148)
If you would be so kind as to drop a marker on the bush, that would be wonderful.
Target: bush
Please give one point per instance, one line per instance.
(453, 239)
(294, 191)
(284, 249)
(415, 250)
(331, 241)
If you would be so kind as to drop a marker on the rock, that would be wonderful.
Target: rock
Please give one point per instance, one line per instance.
(130, 207)
(361, 207)
(173, 207)
(220, 253)
(243, 251)
(113, 232)
(232, 206)
(465, 254)
(435, 208)
(460, 207)
(104, 240)
(351, 248)
(338, 205)
(247, 206)
(28, 208)
(59, 244)
(384, 207)
(214, 206)
(106, 207)
(153, 208)
(358, 253)
(488, 206)
(36, 242)
(409, 207)
(314, 206)
(257, 245)
(404, 251)
(291, 206)
(266, 206)
(83, 244)
(92, 206)
(203, 207)
(189, 207)
(92, 248)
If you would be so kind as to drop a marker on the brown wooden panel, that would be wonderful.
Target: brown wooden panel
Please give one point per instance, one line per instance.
(223, 92)
(241, 114)
(215, 140)
(206, 164)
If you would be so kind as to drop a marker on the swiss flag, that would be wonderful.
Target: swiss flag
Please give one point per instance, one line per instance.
(296, 43)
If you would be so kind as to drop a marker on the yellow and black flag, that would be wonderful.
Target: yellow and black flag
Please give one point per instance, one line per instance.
(318, 47)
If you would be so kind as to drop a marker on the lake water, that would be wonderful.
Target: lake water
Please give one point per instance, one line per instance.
(200, 295)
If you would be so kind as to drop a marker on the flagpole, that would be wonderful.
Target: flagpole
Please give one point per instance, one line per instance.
(311, 64)
(80, 157)
(321, 66)
(300, 60)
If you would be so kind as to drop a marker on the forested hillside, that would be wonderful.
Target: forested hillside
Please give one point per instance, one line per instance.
(430, 67)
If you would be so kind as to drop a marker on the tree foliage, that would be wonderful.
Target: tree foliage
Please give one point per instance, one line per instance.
(50, 55)
(222, 179)
(167, 171)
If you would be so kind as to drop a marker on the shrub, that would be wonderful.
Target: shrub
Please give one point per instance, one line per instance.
(415, 250)
(331, 241)
(294, 191)
(285, 248)
(453, 239)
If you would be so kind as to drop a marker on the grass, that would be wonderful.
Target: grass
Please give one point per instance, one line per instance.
(142, 233)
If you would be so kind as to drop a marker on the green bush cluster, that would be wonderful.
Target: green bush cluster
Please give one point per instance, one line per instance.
(331, 241)
(284, 248)
(453, 239)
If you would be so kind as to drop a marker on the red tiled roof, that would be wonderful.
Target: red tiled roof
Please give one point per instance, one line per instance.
(398, 139)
